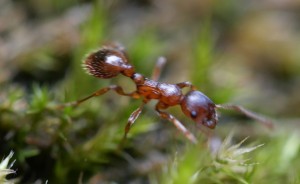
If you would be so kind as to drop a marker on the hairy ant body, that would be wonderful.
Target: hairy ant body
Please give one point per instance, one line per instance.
(111, 60)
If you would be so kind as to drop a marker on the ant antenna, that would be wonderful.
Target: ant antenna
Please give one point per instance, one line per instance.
(263, 120)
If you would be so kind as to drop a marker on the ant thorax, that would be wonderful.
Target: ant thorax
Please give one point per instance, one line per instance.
(169, 94)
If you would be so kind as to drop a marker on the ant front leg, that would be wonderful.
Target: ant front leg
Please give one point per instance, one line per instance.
(161, 61)
(186, 84)
(176, 122)
(99, 92)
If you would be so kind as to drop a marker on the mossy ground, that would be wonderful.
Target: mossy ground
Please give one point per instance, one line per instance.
(217, 46)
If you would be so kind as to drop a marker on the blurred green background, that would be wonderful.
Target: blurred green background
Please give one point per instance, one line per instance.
(235, 51)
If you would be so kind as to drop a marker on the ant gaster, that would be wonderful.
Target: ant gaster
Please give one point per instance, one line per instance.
(112, 60)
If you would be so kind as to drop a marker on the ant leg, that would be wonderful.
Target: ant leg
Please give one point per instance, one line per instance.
(186, 84)
(177, 123)
(134, 115)
(265, 121)
(99, 92)
(161, 61)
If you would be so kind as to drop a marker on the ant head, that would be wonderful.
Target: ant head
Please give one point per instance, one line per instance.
(200, 109)
(108, 62)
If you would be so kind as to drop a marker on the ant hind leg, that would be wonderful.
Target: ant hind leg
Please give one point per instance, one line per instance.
(99, 92)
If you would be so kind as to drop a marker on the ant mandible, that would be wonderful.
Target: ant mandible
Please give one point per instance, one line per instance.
(111, 60)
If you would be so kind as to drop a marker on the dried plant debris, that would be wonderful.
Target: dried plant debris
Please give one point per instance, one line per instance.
(5, 169)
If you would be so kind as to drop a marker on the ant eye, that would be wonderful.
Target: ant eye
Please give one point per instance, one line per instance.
(193, 114)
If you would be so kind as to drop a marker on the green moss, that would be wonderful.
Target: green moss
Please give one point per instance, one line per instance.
(85, 142)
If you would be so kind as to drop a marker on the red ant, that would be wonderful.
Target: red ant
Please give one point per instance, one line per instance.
(112, 60)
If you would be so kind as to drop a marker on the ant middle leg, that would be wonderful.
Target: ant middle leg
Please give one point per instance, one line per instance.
(176, 122)
(99, 92)
(134, 115)
(160, 63)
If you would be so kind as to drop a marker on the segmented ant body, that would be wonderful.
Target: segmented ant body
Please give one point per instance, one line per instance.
(112, 60)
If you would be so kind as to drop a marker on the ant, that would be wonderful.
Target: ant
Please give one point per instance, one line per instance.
(111, 60)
